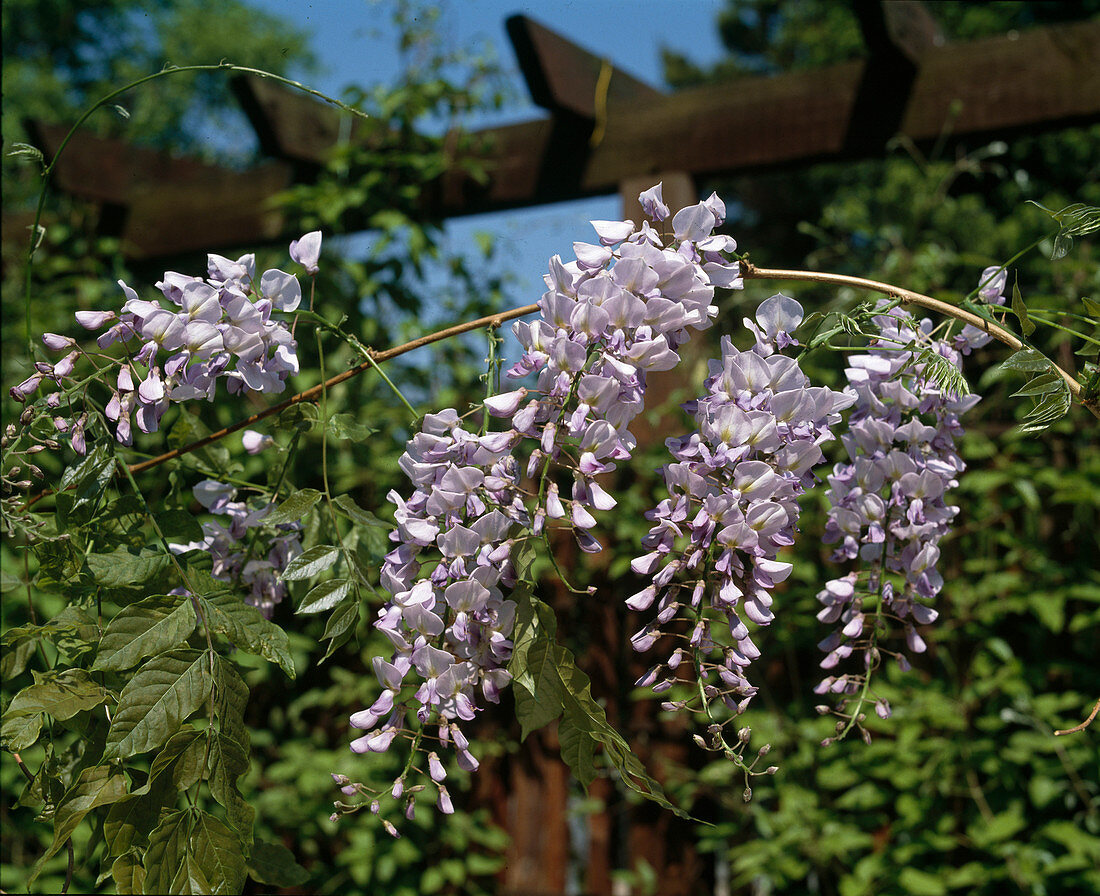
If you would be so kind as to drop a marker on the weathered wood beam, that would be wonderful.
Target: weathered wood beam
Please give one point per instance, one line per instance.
(897, 35)
(1048, 77)
(1040, 79)
(166, 204)
(1044, 78)
(563, 77)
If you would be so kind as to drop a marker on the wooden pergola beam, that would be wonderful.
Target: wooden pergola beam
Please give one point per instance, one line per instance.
(1040, 79)
(563, 77)
(162, 204)
(1045, 78)
(1049, 77)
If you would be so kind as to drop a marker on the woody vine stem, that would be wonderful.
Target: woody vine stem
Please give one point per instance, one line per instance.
(748, 271)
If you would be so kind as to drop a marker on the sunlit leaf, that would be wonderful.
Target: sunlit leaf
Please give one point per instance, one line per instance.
(144, 629)
(156, 701)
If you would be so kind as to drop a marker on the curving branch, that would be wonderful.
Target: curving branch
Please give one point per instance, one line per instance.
(376, 357)
(752, 272)
(749, 271)
(1085, 724)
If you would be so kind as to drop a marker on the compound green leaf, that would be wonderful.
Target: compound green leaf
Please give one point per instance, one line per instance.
(247, 629)
(274, 865)
(144, 629)
(157, 700)
(61, 695)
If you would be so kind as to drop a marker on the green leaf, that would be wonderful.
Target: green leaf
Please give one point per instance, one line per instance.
(534, 622)
(1077, 219)
(189, 428)
(121, 568)
(274, 865)
(88, 479)
(539, 696)
(8, 582)
(1092, 307)
(178, 756)
(128, 874)
(228, 762)
(340, 627)
(144, 629)
(18, 651)
(218, 852)
(179, 526)
(61, 695)
(247, 629)
(1001, 828)
(96, 786)
(357, 514)
(230, 701)
(1020, 310)
(20, 732)
(345, 426)
(310, 562)
(920, 883)
(1039, 385)
(523, 559)
(130, 821)
(1048, 411)
(190, 878)
(548, 683)
(157, 700)
(300, 416)
(294, 507)
(168, 847)
(325, 596)
(1026, 359)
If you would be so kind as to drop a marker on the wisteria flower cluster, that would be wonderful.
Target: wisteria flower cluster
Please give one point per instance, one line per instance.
(732, 507)
(244, 553)
(888, 503)
(220, 326)
(607, 319)
(450, 627)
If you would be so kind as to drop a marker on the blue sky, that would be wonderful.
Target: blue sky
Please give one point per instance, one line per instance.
(355, 42)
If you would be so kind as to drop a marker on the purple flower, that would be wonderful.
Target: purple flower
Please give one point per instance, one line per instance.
(652, 203)
(888, 503)
(732, 507)
(307, 250)
(616, 313)
(255, 442)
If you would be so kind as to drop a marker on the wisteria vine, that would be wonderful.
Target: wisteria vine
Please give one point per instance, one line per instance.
(490, 485)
